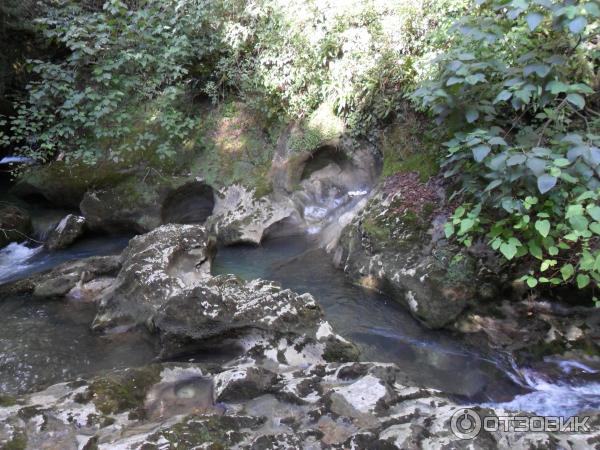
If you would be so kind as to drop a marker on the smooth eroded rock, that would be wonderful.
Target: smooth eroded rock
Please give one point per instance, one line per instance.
(67, 231)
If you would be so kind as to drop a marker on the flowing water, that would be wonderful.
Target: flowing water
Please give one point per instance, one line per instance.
(386, 332)
(44, 342)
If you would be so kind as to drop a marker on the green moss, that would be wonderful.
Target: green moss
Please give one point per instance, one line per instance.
(122, 391)
(460, 269)
(211, 432)
(425, 165)
(18, 442)
(409, 145)
(7, 400)
(338, 351)
(322, 126)
(231, 146)
(375, 230)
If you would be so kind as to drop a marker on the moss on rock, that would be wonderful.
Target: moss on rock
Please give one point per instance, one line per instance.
(122, 391)
(210, 432)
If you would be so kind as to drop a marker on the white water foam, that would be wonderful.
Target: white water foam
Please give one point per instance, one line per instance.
(554, 397)
(14, 258)
(15, 159)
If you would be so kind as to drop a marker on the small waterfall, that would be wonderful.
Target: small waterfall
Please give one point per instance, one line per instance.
(565, 395)
(14, 259)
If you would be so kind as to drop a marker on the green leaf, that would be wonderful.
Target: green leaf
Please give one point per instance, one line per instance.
(579, 223)
(595, 227)
(448, 229)
(577, 25)
(533, 20)
(567, 271)
(532, 282)
(475, 78)
(497, 141)
(556, 87)
(454, 80)
(508, 250)
(546, 182)
(576, 100)
(503, 96)
(516, 159)
(465, 226)
(543, 227)
(471, 115)
(594, 212)
(582, 280)
(480, 152)
(535, 250)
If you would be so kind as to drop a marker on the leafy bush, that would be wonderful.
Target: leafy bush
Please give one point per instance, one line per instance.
(132, 69)
(517, 88)
(123, 84)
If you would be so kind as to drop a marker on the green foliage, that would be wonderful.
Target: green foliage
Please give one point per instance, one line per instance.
(132, 72)
(516, 87)
(122, 85)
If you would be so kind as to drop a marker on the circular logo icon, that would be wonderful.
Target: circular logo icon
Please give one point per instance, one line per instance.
(465, 424)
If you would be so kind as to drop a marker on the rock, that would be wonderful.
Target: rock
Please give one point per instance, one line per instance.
(157, 266)
(65, 184)
(65, 278)
(141, 205)
(532, 330)
(132, 205)
(165, 284)
(225, 306)
(15, 224)
(68, 230)
(240, 217)
(397, 244)
(334, 406)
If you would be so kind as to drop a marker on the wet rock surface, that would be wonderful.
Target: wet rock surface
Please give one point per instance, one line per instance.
(67, 231)
(15, 224)
(240, 217)
(397, 244)
(165, 285)
(72, 277)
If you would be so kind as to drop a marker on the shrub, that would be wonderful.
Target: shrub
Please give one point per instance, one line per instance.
(516, 88)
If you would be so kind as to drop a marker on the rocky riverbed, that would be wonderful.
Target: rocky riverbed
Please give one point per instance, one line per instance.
(154, 344)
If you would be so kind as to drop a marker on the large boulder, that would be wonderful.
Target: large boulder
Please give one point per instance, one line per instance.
(397, 244)
(157, 266)
(67, 231)
(64, 184)
(240, 216)
(133, 205)
(15, 224)
(165, 285)
(143, 204)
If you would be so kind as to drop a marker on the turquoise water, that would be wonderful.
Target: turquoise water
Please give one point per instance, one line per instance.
(382, 329)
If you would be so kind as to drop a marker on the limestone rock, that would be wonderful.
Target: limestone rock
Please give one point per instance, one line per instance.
(67, 231)
(240, 217)
(397, 244)
(321, 406)
(66, 277)
(157, 267)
